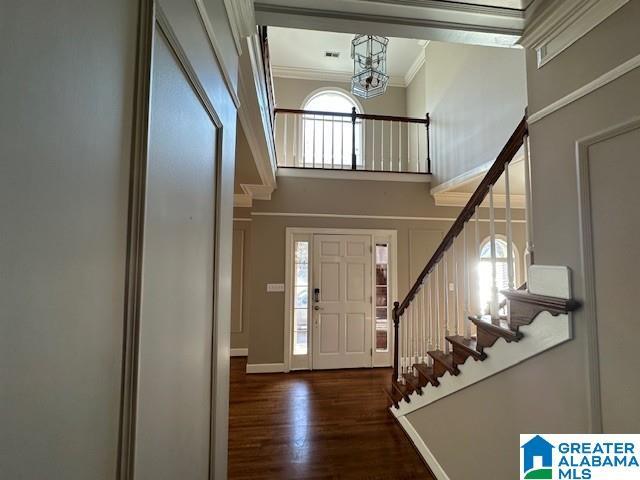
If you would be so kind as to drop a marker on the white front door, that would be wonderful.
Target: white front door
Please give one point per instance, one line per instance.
(341, 301)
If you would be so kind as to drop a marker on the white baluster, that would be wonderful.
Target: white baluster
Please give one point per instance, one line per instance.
(391, 146)
(342, 122)
(476, 257)
(507, 193)
(528, 211)
(456, 318)
(429, 344)
(373, 144)
(408, 146)
(437, 301)
(417, 147)
(445, 266)
(399, 146)
(333, 140)
(465, 270)
(286, 115)
(382, 145)
(494, 272)
(295, 139)
(423, 322)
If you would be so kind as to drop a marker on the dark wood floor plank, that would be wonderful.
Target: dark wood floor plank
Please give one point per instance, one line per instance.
(316, 425)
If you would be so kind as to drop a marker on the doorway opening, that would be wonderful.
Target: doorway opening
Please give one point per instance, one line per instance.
(339, 291)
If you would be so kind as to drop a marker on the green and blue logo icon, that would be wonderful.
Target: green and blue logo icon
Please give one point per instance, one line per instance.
(537, 461)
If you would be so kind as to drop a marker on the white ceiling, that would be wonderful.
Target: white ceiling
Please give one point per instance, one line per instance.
(293, 50)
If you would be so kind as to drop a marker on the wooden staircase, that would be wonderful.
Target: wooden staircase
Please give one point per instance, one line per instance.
(523, 307)
(435, 331)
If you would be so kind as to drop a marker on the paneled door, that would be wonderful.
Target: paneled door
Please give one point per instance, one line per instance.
(341, 301)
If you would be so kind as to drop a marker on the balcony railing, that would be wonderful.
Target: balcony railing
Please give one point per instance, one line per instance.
(352, 141)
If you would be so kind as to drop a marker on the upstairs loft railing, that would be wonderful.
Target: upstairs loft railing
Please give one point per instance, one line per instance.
(268, 76)
(352, 141)
(445, 293)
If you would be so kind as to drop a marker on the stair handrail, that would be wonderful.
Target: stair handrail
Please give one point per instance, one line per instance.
(508, 152)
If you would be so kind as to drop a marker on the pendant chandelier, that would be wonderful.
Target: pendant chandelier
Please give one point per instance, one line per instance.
(369, 54)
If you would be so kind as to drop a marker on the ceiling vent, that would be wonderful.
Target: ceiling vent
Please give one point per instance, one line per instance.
(332, 54)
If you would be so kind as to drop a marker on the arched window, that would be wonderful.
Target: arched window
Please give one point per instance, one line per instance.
(326, 140)
(502, 275)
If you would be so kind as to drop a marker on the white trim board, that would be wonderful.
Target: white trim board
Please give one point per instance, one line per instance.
(590, 87)
(563, 23)
(338, 174)
(422, 448)
(215, 45)
(369, 217)
(239, 352)
(265, 367)
(544, 333)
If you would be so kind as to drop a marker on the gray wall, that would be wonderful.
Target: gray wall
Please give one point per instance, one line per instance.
(566, 372)
(67, 88)
(476, 97)
(342, 197)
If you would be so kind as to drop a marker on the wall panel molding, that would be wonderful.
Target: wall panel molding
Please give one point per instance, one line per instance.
(588, 267)
(587, 89)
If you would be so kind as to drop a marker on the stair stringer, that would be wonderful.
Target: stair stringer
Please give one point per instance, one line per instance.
(544, 333)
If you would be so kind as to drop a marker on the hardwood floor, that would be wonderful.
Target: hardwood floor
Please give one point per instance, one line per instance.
(316, 425)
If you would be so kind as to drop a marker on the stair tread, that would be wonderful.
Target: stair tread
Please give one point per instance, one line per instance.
(498, 326)
(414, 381)
(403, 390)
(468, 344)
(445, 359)
(427, 372)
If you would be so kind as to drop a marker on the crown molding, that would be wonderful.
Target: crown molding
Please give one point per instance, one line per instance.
(562, 23)
(242, 20)
(257, 192)
(324, 75)
(416, 65)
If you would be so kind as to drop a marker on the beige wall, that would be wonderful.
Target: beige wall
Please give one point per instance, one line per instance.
(565, 373)
(341, 197)
(292, 92)
(241, 274)
(476, 96)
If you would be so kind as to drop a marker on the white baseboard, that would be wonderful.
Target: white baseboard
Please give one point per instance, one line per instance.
(239, 352)
(265, 368)
(435, 467)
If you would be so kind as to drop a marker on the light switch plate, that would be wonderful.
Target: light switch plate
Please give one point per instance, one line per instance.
(275, 287)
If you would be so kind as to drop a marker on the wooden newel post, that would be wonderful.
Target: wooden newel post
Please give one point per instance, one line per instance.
(396, 340)
(353, 138)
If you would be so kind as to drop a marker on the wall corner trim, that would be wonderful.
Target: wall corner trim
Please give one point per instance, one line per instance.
(265, 367)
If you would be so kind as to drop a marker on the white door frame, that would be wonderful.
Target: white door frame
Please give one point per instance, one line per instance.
(378, 359)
